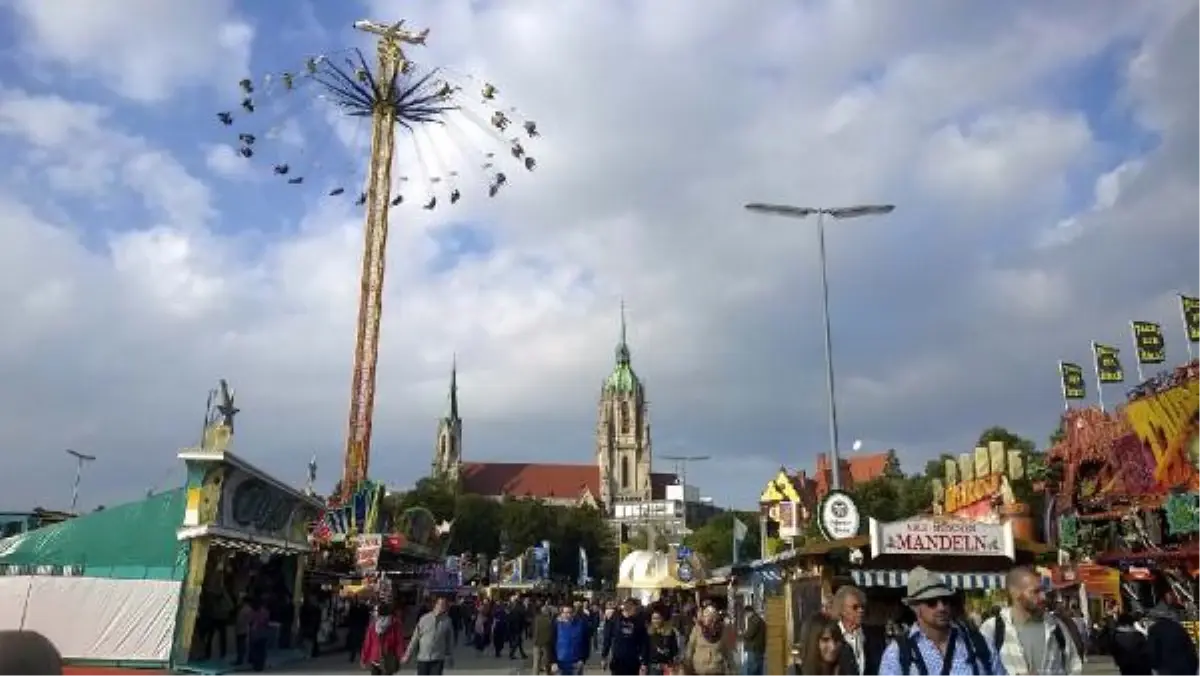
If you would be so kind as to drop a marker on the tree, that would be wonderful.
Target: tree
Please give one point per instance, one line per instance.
(936, 469)
(477, 524)
(714, 540)
(1010, 440)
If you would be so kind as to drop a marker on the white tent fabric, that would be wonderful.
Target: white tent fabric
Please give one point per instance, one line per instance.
(13, 592)
(98, 618)
(646, 570)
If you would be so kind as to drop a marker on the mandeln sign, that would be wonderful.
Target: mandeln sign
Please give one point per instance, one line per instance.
(941, 537)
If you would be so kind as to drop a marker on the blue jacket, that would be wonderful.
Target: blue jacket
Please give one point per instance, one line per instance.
(570, 641)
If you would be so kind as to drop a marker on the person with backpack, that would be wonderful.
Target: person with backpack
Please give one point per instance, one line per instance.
(1027, 638)
(936, 644)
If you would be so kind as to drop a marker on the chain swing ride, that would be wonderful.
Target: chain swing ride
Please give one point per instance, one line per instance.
(445, 115)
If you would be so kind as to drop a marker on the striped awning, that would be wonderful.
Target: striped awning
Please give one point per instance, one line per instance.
(899, 578)
(52, 570)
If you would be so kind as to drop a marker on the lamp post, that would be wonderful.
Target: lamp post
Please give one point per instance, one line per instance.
(838, 213)
(80, 460)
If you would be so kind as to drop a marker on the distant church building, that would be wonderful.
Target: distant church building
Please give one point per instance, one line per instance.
(623, 466)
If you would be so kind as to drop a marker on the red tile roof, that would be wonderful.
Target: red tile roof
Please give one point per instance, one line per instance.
(542, 480)
(856, 469)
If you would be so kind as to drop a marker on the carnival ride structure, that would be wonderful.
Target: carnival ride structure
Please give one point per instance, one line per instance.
(1128, 496)
(459, 128)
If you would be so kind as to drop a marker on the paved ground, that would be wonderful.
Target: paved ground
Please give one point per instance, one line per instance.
(469, 663)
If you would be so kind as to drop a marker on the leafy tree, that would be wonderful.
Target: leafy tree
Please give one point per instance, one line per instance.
(714, 540)
(582, 527)
(526, 522)
(936, 469)
(477, 524)
(1010, 440)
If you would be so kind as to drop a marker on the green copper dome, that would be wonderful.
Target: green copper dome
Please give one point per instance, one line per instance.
(622, 380)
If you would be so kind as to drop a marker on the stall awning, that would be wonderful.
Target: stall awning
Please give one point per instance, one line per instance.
(899, 578)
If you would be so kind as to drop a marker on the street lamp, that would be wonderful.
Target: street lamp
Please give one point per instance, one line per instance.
(839, 213)
(80, 459)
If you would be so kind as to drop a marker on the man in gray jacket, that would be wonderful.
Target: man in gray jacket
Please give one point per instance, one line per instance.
(432, 641)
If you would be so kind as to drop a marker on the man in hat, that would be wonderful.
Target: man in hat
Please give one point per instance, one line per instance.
(936, 644)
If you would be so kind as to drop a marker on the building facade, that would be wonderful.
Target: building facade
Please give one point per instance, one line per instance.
(622, 468)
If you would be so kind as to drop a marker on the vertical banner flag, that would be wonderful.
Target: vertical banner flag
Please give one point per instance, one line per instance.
(1190, 307)
(1073, 386)
(583, 567)
(739, 535)
(1149, 343)
(1108, 364)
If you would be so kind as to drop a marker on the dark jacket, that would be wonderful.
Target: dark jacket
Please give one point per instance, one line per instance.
(754, 638)
(1169, 647)
(570, 641)
(1127, 646)
(874, 643)
(664, 646)
(626, 641)
(543, 631)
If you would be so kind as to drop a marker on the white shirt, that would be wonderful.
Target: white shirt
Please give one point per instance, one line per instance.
(855, 640)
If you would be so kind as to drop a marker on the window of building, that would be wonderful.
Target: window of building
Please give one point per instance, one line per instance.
(625, 417)
(625, 472)
(442, 447)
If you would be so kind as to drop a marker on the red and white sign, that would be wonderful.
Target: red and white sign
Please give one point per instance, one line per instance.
(366, 552)
(941, 537)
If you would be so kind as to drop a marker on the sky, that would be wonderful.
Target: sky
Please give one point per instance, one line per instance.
(1042, 156)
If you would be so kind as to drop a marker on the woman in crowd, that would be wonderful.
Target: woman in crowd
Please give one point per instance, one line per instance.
(664, 644)
(708, 648)
(822, 646)
(384, 643)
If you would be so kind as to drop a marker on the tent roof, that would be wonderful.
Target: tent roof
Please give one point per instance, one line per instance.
(134, 540)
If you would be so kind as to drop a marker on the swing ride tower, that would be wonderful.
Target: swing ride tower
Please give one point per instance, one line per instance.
(399, 99)
(375, 232)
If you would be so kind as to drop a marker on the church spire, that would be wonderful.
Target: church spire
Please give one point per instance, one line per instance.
(623, 344)
(454, 389)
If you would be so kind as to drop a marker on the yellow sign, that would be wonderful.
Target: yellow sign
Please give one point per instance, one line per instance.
(970, 492)
(779, 489)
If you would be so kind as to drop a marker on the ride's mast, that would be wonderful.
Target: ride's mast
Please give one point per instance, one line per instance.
(392, 63)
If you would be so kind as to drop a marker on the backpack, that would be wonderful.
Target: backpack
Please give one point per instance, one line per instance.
(978, 654)
(1059, 639)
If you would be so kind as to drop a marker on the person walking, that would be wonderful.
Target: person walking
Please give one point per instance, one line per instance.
(754, 641)
(1169, 646)
(861, 649)
(708, 650)
(432, 641)
(1027, 638)
(543, 638)
(935, 644)
(569, 649)
(626, 641)
(384, 642)
(517, 620)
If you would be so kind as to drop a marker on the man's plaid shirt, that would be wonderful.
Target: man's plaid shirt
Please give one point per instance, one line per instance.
(1012, 656)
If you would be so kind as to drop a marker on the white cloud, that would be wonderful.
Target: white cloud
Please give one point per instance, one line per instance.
(1005, 155)
(143, 49)
(658, 123)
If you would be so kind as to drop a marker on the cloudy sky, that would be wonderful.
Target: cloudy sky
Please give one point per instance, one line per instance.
(1043, 157)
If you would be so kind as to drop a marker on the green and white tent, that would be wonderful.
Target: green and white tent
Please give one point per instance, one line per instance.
(103, 586)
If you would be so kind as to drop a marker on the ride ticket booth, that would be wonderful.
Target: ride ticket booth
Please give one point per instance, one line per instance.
(247, 536)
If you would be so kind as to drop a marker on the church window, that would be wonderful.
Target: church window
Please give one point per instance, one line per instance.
(625, 472)
(442, 446)
(625, 417)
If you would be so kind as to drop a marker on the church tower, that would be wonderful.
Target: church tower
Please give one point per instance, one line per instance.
(623, 432)
(447, 455)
